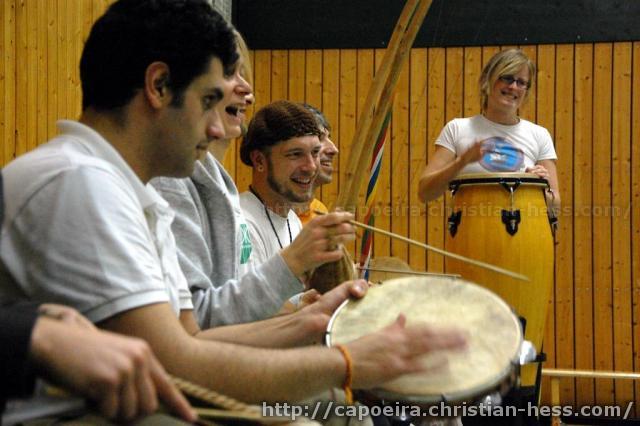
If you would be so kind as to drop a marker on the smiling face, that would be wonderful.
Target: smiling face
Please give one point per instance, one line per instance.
(187, 129)
(239, 96)
(508, 97)
(292, 167)
(327, 154)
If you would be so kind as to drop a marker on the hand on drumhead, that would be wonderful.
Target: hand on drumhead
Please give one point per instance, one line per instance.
(474, 153)
(397, 350)
(319, 242)
(329, 302)
(538, 170)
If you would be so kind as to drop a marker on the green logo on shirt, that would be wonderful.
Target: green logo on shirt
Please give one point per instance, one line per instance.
(245, 251)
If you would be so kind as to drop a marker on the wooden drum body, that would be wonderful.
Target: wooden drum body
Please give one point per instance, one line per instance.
(502, 219)
(489, 363)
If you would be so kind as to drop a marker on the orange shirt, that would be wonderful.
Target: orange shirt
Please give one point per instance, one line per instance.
(309, 214)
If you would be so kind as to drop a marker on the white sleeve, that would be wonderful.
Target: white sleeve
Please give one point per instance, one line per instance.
(82, 240)
(545, 144)
(447, 137)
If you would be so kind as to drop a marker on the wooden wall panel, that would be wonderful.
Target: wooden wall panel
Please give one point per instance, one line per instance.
(583, 242)
(417, 154)
(564, 250)
(621, 226)
(635, 211)
(586, 95)
(436, 99)
(602, 262)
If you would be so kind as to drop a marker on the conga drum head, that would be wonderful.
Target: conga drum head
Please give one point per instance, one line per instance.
(493, 333)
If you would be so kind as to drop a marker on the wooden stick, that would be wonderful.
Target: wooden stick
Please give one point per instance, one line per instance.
(383, 79)
(442, 252)
(437, 250)
(350, 199)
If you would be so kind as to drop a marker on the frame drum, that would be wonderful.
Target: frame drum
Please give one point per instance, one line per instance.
(502, 219)
(494, 335)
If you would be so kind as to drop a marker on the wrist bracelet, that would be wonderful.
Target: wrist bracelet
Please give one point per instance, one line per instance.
(348, 393)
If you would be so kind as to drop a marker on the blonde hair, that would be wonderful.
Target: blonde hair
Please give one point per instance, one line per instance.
(245, 69)
(506, 62)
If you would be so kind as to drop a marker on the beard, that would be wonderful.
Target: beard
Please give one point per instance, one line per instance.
(286, 193)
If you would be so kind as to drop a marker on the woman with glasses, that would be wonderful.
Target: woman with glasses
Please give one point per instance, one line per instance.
(497, 140)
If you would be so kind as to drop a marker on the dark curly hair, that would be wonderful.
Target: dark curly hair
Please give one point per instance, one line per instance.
(184, 34)
(277, 122)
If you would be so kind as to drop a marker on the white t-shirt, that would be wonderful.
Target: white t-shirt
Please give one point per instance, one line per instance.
(513, 148)
(81, 229)
(264, 241)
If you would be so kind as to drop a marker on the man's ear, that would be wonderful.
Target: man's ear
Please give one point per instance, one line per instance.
(258, 159)
(156, 89)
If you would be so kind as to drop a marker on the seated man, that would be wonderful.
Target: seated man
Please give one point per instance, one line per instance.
(282, 146)
(307, 210)
(82, 227)
(120, 375)
(214, 248)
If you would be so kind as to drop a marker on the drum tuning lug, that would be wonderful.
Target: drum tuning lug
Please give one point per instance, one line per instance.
(528, 352)
(491, 400)
(511, 220)
(453, 222)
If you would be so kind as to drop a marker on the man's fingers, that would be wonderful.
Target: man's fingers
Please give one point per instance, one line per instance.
(128, 405)
(173, 399)
(148, 399)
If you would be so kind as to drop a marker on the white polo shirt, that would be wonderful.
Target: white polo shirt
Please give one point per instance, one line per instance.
(81, 229)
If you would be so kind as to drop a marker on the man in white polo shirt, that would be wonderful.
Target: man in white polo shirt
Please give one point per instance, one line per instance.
(82, 228)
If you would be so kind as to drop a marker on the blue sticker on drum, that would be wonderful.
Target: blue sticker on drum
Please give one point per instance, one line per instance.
(501, 155)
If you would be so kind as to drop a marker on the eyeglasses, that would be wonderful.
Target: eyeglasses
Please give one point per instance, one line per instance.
(509, 79)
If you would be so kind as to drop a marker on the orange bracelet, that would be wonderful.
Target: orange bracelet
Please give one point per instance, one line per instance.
(348, 393)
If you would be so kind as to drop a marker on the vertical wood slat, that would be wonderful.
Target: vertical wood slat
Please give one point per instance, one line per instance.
(635, 213)
(435, 122)
(313, 88)
(621, 226)
(472, 70)
(296, 75)
(22, 77)
(418, 154)
(279, 75)
(583, 242)
(8, 79)
(52, 66)
(564, 249)
(347, 96)
(368, 64)
(41, 99)
(331, 109)
(382, 243)
(545, 106)
(602, 262)
(397, 149)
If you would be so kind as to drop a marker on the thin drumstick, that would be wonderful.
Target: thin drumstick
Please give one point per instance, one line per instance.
(439, 251)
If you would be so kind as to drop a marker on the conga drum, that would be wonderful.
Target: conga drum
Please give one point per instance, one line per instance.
(502, 219)
(490, 362)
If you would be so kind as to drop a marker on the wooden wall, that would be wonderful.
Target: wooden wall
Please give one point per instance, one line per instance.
(587, 95)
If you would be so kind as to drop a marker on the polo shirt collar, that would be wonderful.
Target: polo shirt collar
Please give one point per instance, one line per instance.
(98, 147)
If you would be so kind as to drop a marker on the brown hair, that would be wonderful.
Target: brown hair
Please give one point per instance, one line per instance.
(277, 122)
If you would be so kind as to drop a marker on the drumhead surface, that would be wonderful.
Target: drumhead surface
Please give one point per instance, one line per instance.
(493, 333)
